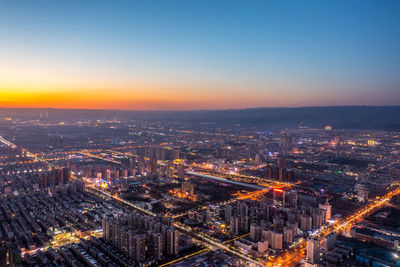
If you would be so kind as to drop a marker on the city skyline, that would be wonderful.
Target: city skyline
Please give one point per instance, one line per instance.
(197, 55)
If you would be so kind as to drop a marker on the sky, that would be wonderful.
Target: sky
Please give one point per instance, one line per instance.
(178, 55)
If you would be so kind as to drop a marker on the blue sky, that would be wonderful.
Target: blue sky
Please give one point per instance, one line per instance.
(207, 54)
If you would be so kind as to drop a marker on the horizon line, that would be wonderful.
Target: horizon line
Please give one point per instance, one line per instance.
(186, 110)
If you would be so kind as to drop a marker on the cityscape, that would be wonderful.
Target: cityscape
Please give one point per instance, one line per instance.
(103, 192)
(200, 133)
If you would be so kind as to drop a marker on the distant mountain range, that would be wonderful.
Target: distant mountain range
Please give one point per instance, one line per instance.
(339, 117)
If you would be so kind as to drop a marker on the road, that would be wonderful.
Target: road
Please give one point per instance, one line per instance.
(290, 258)
(198, 252)
(221, 179)
(296, 254)
(189, 231)
(185, 229)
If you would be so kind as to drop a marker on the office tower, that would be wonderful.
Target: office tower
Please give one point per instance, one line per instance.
(313, 250)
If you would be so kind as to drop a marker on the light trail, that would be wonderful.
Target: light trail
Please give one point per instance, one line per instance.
(297, 253)
(7, 143)
(251, 195)
(186, 229)
(245, 179)
(198, 252)
(221, 179)
(189, 231)
(185, 257)
(98, 157)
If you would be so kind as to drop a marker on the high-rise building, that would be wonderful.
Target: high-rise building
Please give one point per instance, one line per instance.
(172, 241)
(257, 159)
(313, 245)
(228, 213)
(255, 232)
(213, 212)
(66, 175)
(328, 242)
(14, 255)
(282, 163)
(276, 240)
(288, 234)
(188, 187)
(140, 247)
(157, 246)
(153, 165)
(107, 229)
(328, 209)
(279, 196)
(318, 218)
(292, 198)
(3, 256)
(235, 225)
(305, 223)
(282, 168)
(131, 245)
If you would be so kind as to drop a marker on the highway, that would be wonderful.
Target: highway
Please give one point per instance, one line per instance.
(296, 254)
(189, 231)
(290, 258)
(185, 229)
(198, 252)
(96, 191)
(228, 181)
(246, 179)
(7, 143)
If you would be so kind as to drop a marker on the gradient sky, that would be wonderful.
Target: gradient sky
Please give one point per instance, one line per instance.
(198, 54)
